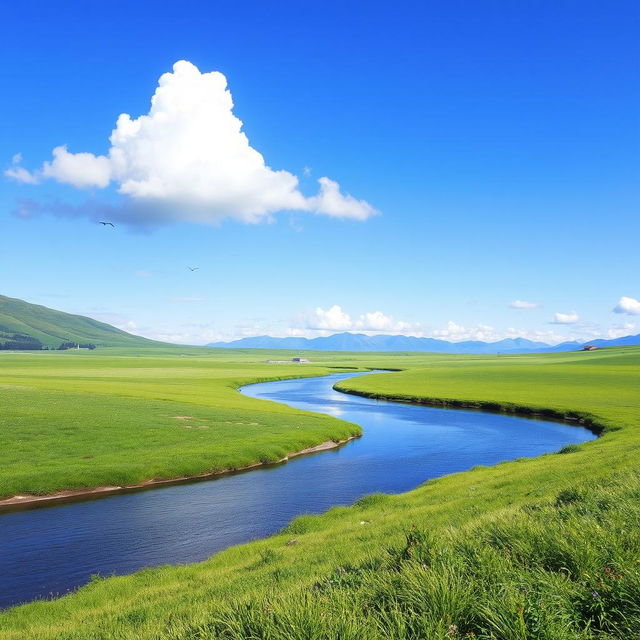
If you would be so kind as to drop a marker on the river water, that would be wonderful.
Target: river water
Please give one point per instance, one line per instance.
(50, 551)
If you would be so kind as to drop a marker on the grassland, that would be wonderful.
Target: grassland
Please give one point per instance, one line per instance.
(543, 548)
(76, 420)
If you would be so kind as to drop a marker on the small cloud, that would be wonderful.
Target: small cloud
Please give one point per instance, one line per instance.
(335, 319)
(378, 321)
(627, 305)
(144, 273)
(294, 332)
(565, 318)
(306, 172)
(523, 304)
(80, 170)
(20, 174)
(331, 202)
(619, 331)
(16, 159)
(332, 319)
(293, 223)
(456, 333)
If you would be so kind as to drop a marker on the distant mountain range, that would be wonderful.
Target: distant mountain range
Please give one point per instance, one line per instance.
(31, 326)
(362, 342)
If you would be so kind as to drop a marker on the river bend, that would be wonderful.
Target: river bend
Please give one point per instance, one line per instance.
(51, 551)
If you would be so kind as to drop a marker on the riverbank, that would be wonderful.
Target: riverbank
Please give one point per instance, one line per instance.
(19, 503)
(570, 417)
(91, 424)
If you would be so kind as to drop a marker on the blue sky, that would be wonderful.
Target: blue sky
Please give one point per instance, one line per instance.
(477, 154)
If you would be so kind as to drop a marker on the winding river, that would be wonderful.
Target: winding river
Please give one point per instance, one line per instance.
(50, 551)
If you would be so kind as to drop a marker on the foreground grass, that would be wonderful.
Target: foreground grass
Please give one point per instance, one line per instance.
(561, 570)
(543, 548)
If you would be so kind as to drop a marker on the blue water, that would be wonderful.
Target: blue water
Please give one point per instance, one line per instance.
(50, 551)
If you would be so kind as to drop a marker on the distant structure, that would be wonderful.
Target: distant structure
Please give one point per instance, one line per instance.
(299, 360)
(589, 347)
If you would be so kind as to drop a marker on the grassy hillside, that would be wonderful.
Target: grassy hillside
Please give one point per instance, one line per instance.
(52, 327)
(543, 548)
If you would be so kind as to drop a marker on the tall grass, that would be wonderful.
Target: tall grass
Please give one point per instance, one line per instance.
(564, 570)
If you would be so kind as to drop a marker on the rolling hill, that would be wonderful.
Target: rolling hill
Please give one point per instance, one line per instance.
(24, 325)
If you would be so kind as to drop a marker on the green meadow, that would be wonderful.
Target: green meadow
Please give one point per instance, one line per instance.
(81, 419)
(544, 548)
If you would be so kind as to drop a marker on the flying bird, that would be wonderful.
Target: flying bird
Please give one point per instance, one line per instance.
(107, 223)
(193, 268)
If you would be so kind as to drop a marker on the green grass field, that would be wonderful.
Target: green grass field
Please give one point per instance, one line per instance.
(543, 548)
(83, 419)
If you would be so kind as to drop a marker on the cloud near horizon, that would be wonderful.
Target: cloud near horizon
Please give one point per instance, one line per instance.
(325, 322)
(620, 331)
(565, 318)
(189, 160)
(335, 319)
(523, 304)
(627, 305)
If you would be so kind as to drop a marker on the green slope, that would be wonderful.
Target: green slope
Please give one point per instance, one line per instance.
(53, 327)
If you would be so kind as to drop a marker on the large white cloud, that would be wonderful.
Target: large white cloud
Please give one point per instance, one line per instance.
(630, 306)
(188, 159)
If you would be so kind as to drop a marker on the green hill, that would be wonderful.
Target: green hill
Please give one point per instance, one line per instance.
(24, 325)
